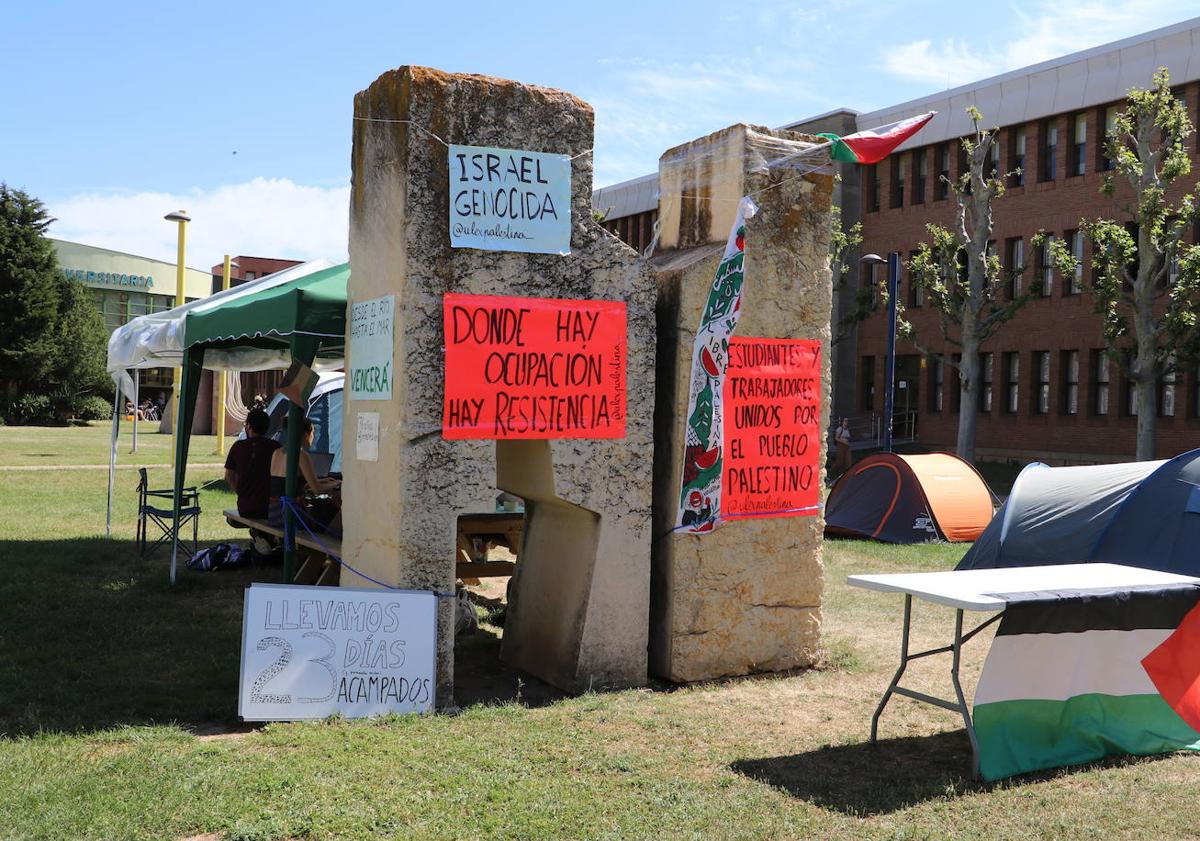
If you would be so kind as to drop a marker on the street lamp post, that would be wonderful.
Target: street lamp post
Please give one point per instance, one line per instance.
(889, 375)
(181, 217)
(221, 385)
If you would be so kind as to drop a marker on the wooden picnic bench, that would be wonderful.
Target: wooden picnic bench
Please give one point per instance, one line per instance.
(502, 528)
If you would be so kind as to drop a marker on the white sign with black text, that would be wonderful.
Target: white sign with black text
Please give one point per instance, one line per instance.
(366, 444)
(312, 652)
(510, 200)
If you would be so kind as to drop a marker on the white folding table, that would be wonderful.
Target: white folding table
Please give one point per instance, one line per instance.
(988, 591)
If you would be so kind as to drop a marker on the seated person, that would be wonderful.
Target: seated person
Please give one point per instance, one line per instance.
(308, 481)
(248, 466)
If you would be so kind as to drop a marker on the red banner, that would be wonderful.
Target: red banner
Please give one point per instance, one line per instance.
(533, 368)
(772, 428)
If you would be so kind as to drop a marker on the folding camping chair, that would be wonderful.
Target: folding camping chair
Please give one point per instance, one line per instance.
(150, 512)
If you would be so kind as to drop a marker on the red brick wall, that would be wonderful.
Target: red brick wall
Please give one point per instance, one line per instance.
(1057, 323)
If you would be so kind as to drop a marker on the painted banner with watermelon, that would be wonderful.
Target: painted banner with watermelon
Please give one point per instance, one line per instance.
(700, 496)
(1073, 677)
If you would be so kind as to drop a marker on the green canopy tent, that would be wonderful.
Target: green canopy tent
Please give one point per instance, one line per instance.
(305, 317)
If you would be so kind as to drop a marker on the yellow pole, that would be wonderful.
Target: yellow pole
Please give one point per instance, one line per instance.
(221, 380)
(182, 219)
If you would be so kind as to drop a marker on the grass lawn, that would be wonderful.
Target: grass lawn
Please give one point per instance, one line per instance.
(51, 446)
(118, 720)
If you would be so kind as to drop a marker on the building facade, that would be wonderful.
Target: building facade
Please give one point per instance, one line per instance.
(1048, 391)
(244, 269)
(125, 286)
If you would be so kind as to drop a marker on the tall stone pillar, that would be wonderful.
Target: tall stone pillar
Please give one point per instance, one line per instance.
(746, 597)
(581, 591)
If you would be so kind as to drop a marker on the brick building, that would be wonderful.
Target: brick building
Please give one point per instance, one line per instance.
(1048, 392)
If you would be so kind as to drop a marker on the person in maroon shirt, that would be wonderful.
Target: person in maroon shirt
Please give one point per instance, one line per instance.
(248, 466)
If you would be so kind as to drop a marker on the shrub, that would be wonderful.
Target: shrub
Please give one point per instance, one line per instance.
(94, 408)
(31, 409)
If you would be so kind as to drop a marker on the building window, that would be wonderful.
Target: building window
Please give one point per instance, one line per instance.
(1074, 283)
(251, 275)
(1079, 149)
(1166, 392)
(1070, 368)
(964, 168)
(956, 403)
(916, 295)
(898, 175)
(1015, 250)
(1196, 391)
(920, 174)
(1012, 380)
(1041, 391)
(993, 164)
(1131, 398)
(985, 382)
(1016, 157)
(1100, 383)
(937, 390)
(1046, 261)
(873, 188)
(942, 188)
(867, 398)
(1110, 131)
(1049, 150)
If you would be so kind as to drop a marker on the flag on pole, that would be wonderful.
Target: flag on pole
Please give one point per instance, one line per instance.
(873, 145)
(1071, 678)
(700, 496)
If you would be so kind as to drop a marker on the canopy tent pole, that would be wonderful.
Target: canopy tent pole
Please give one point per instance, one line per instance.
(189, 387)
(112, 455)
(304, 349)
(137, 387)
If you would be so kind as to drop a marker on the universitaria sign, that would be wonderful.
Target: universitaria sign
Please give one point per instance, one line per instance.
(510, 200)
(533, 368)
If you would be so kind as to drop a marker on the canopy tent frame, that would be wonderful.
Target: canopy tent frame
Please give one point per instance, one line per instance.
(305, 318)
(156, 341)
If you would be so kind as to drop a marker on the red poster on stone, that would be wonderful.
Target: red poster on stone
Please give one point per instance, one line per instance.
(772, 428)
(533, 368)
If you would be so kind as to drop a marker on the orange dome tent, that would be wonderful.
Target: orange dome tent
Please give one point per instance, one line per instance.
(910, 499)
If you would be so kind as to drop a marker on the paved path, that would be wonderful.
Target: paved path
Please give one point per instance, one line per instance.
(35, 467)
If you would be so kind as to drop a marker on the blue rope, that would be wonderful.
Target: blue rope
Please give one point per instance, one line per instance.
(299, 515)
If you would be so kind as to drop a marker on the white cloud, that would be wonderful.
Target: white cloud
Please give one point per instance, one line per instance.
(1048, 30)
(646, 107)
(263, 217)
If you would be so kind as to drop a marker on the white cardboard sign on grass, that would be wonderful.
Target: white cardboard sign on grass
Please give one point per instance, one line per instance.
(312, 652)
(371, 348)
(510, 200)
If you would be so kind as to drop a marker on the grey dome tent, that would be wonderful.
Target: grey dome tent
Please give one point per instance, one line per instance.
(1144, 514)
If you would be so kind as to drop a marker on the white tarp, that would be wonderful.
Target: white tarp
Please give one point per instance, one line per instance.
(156, 340)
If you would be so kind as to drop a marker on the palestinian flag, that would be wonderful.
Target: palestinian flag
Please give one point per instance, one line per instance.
(1073, 677)
(873, 145)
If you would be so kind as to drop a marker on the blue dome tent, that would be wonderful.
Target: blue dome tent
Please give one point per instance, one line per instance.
(1144, 514)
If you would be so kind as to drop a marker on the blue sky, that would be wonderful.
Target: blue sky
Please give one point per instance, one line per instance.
(114, 114)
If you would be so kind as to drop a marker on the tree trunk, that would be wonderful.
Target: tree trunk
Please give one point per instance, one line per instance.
(1145, 374)
(968, 409)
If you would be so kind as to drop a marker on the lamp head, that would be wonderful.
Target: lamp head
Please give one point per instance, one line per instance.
(178, 216)
(872, 259)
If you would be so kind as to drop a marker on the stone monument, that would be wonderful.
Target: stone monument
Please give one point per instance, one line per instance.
(747, 596)
(580, 599)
